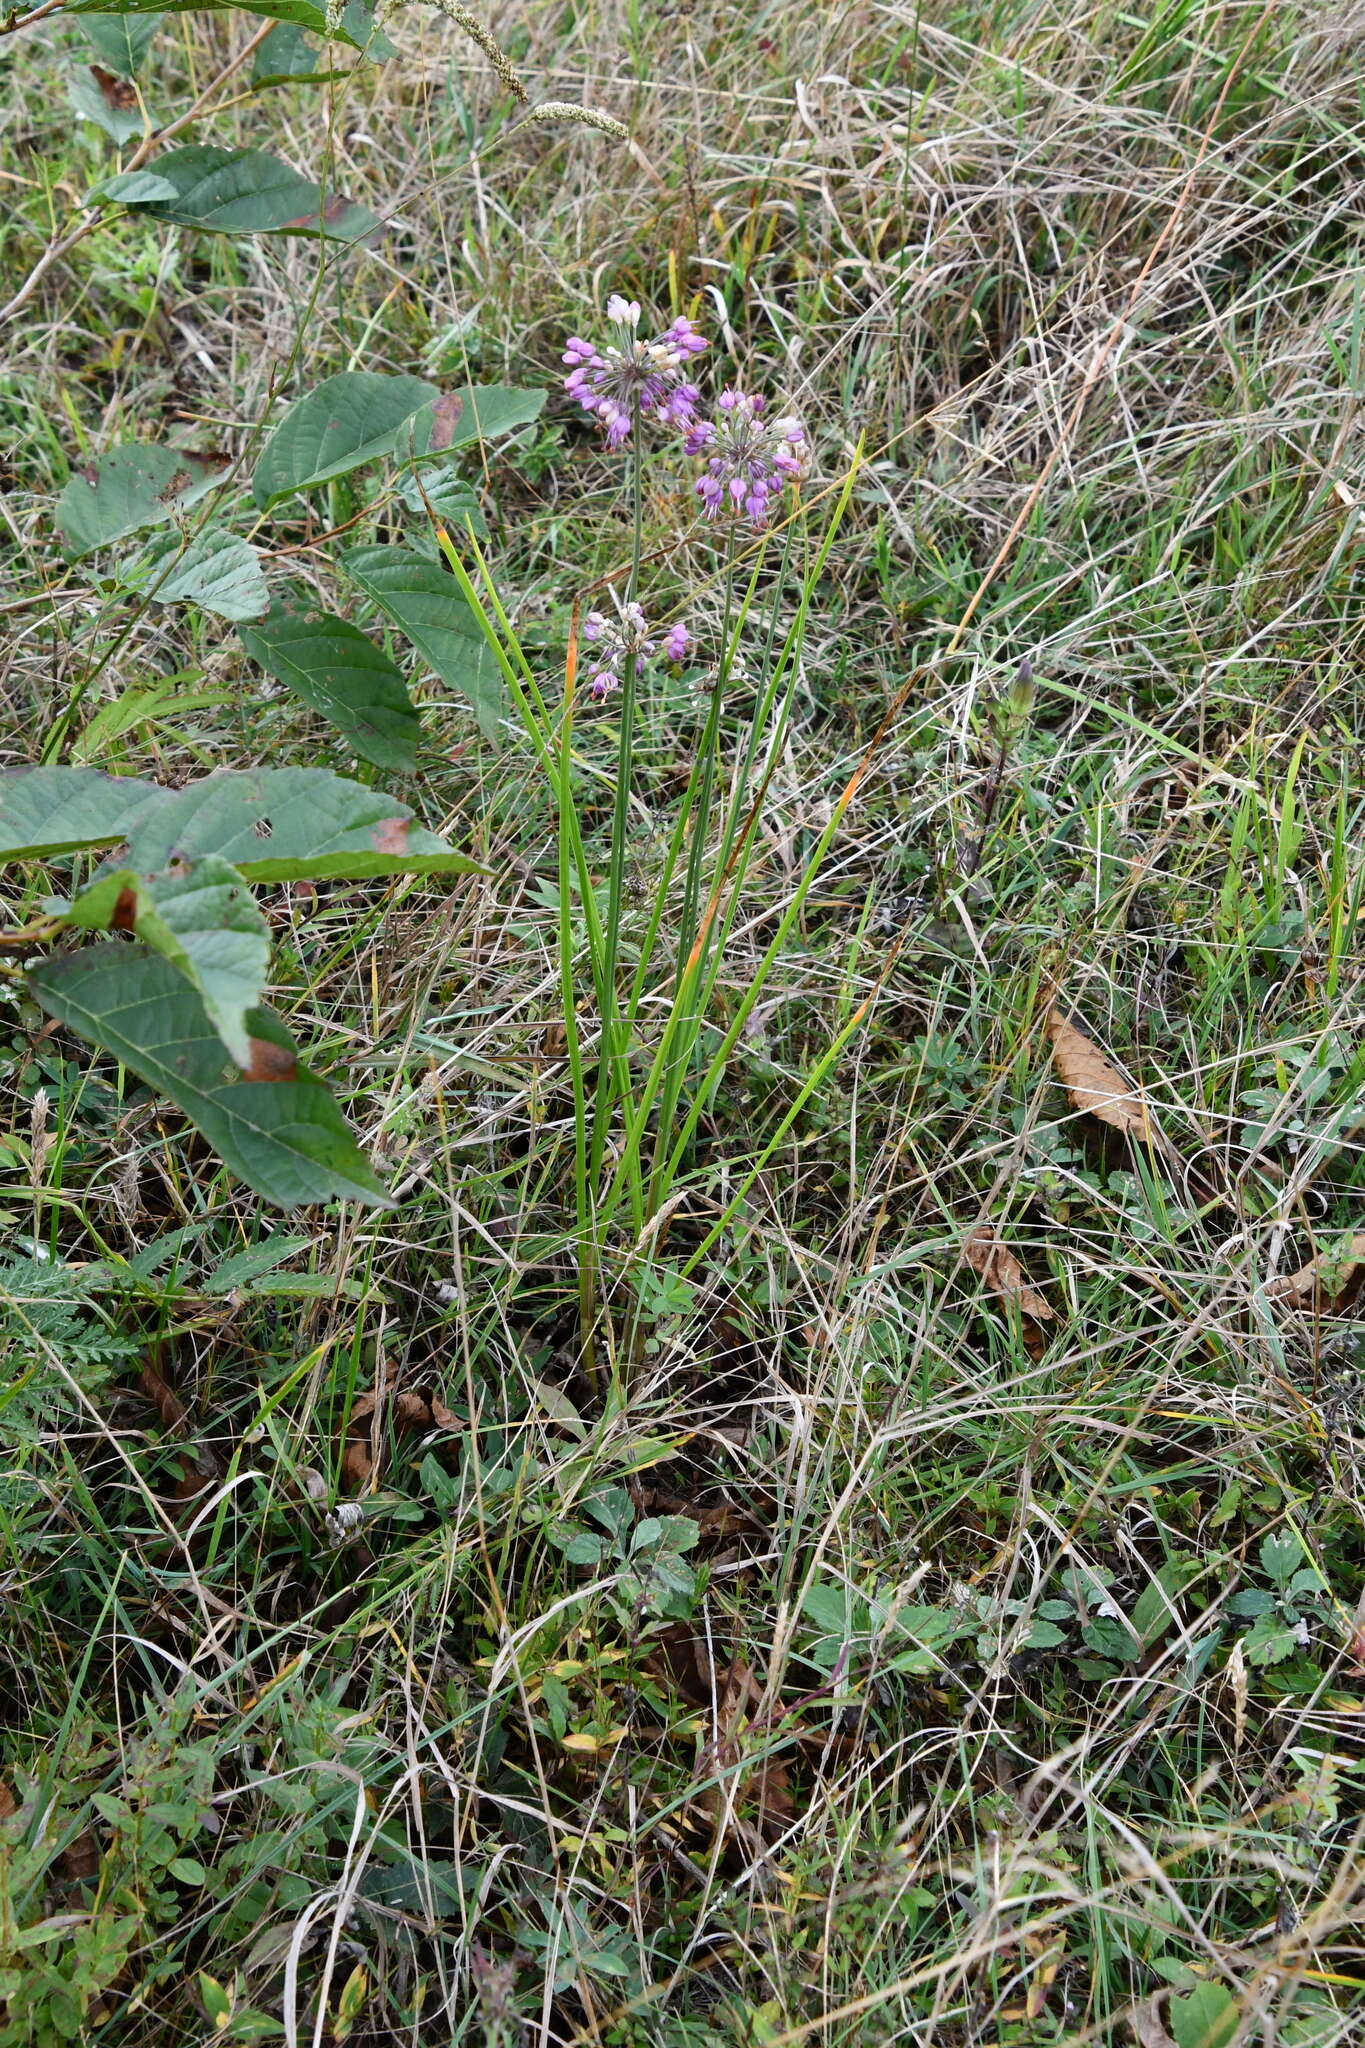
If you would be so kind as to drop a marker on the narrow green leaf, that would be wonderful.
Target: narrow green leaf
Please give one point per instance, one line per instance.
(218, 570)
(244, 192)
(138, 484)
(285, 1137)
(240, 1267)
(204, 922)
(428, 608)
(347, 420)
(121, 41)
(341, 675)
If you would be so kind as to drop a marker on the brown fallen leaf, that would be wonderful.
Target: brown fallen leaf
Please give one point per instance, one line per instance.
(1003, 1274)
(406, 1410)
(8, 1803)
(1095, 1085)
(1327, 1280)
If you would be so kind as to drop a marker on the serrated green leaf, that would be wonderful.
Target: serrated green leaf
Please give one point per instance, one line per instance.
(241, 1267)
(218, 570)
(92, 101)
(121, 41)
(138, 484)
(204, 922)
(243, 192)
(272, 824)
(427, 606)
(474, 412)
(339, 673)
(347, 420)
(286, 1138)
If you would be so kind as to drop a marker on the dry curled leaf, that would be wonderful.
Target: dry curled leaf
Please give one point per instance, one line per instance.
(1328, 1278)
(1003, 1274)
(1095, 1085)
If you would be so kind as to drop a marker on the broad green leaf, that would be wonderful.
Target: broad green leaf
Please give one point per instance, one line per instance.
(1206, 2017)
(356, 26)
(285, 53)
(476, 412)
(426, 604)
(282, 824)
(136, 485)
(121, 41)
(218, 570)
(285, 1137)
(244, 192)
(204, 922)
(108, 103)
(47, 811)
(341, 675)
(347, 420)
(272, 824)
(131, 188)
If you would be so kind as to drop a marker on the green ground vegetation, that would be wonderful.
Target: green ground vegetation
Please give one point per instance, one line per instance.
(888, 1632)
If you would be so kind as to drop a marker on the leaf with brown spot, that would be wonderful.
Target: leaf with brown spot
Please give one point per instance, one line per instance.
(1330, 1279)
(270, 1062)
(118, 94)
(390, 835)
(445, 417)
(124, 915)
(1096, 1086)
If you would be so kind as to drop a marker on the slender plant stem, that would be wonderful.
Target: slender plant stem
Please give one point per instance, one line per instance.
(613, 1074)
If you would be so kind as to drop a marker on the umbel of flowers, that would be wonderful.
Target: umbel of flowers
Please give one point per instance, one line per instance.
(629, 376)
(749, 459)
(612, 640)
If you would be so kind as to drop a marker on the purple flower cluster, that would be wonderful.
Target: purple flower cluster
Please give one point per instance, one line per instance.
(749, 460)
(613, 639)
(632, 375)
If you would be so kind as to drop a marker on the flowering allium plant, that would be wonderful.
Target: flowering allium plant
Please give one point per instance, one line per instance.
(749, 460)
(630, 375)
(613, 639)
